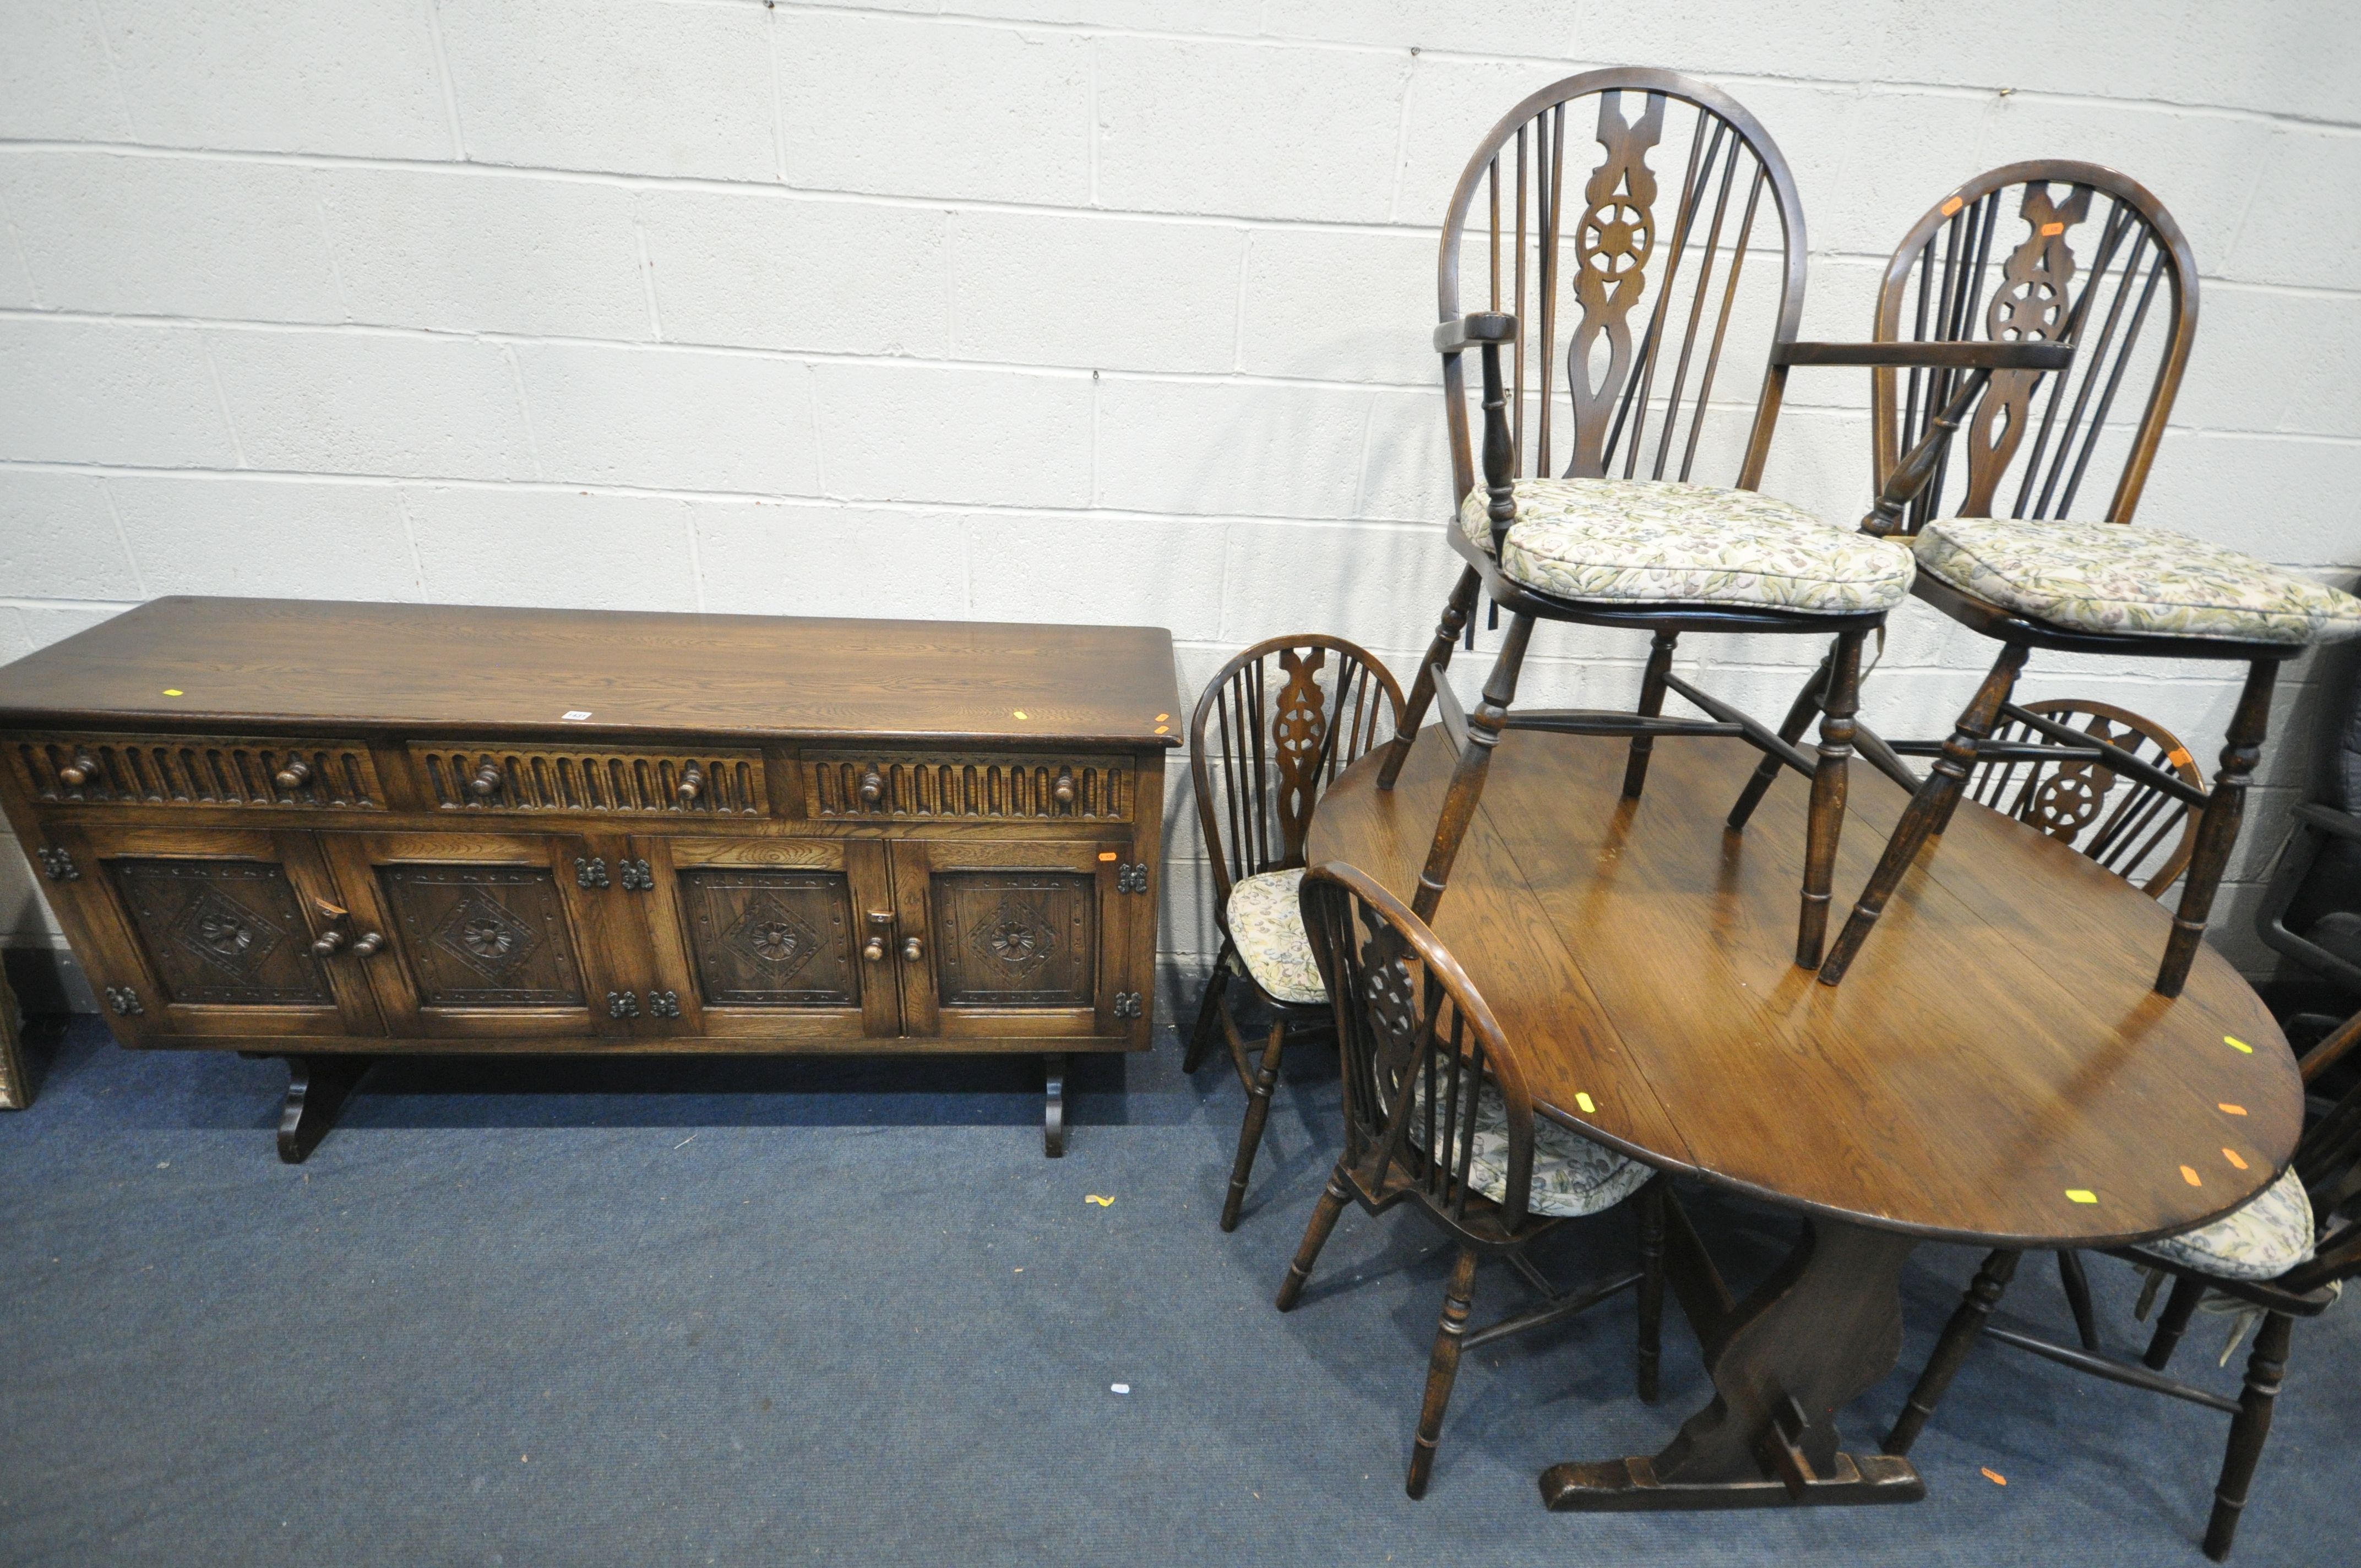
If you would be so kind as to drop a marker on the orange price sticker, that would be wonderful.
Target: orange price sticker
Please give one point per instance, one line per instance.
(1109, 855)
(2049, 229)
(1993, 1476)
(2191, 1177)
(2232, 1156)
(2229, 1109)
(1953, 206)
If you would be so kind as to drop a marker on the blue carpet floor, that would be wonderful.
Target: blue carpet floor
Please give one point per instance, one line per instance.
(826, 1311)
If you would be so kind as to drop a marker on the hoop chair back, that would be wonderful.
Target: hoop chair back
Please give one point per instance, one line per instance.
(2049, 250)
(1272, 731)
(1421, 1051)
(1627, 288)
(2126, 824)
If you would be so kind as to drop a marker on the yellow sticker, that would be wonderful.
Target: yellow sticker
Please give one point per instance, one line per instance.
(174, 691)
(2082, 1195)
(1102, 1202)
(2191, 1177)
(2232, 1156)
(1162, 716)
(2229, 1109)
(2236, 1044)
(1588, 1108)
(1993, 1476)
(1163, 729)
(1021, 713)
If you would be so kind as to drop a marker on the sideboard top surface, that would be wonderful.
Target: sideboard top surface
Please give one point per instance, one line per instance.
(449, 668)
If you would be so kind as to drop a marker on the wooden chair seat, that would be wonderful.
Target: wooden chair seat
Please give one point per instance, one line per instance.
(2104, 578)
(1661, 542)
(1266, 915)
(1571, 1175)
(2260, 1240)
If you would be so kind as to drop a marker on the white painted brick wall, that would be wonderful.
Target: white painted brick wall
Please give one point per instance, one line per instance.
(1040, 310)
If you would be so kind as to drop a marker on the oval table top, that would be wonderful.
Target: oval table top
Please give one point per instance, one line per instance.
(1996, 1069)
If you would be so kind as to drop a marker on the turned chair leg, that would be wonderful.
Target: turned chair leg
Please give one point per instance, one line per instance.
(2178, 1308)
(1484, 728)
(1652, 705)
(1651, 1206)
(1930, 808)
(2078, 1296)
(2248, 1432)
(1825, 825)
(1442, 1369)
(1315, 1236)
(1209, 1012)
(1791, 730)
(2217, 829)
(1952, 1350)
(1456, 611)
(1258, 1115)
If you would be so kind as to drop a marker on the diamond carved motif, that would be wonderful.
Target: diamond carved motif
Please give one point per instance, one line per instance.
(1019, 938)
(484, 936)
(770, 934)
(227, 935)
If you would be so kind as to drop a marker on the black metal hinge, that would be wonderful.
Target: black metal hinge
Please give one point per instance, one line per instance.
(664, 1003)
(638, 876)
(1131, 877)
(1127, 1004)
(125, 1001)
(590, 872)
(622, 1004)
(59, 865)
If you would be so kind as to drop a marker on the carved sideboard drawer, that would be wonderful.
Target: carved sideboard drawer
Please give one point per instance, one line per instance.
(504, 778)
(195, 770)
(984, 787)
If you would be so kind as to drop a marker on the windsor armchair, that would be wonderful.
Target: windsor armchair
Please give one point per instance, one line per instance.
(2283, 1256)
(1286, 716)
(2098, 261)
(1608, 529)
(1438, 1116)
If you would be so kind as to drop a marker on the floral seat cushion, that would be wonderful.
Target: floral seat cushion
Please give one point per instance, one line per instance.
(1267, 928)
(2260, 1240)
(1658, 542)
(1572, 1176)
(2107, 578)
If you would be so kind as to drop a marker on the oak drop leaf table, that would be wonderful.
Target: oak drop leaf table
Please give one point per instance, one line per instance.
(330, 831)
(1999, 1074)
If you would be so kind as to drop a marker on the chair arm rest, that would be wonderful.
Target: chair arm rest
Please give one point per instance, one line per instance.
(1484, 326)
(1970, 356)
(2327, 818)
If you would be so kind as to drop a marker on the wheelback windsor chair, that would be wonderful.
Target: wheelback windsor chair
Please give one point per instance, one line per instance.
(1273, 729)
(1607, 529)
(1437, 1115)
(2099, 270)
(2283, 1256)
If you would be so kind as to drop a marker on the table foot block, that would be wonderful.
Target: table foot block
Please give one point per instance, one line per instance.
(1630, 1486)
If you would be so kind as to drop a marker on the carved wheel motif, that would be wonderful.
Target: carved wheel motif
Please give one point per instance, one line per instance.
(770, 934)
(2068, 800)
(1389, 995)
(1019, 938)
(485, 937)
(1615, 239)
(225, 934)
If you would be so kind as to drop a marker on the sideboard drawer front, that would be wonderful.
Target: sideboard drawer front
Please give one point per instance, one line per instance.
(196, 770)
(501, 779)
(982, 787)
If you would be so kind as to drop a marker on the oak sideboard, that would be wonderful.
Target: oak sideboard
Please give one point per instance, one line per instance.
(329, 831)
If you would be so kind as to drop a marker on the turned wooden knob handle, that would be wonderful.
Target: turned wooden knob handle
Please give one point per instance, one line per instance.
(872, 787)
(873, 949)
(368, 944)
(913, 949)
(1062, 792)
(295, 775)
(79, 771)
(327, 943)
(488, 778)
(692, 785)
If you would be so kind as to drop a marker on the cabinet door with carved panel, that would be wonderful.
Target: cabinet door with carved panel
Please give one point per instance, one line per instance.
(487, 936)
(776, 939)
(1015, 940)
(212, 934)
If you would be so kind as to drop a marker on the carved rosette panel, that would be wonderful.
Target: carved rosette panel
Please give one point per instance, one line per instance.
(2033, 304)
(227, 933)
(772, 939)
(484, 936)
(1015, 940)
